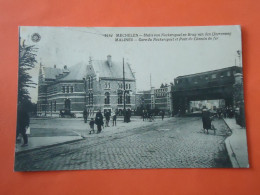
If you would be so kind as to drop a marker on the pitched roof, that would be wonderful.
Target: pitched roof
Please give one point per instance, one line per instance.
(76, 72)
(50, 73)
(114, 71)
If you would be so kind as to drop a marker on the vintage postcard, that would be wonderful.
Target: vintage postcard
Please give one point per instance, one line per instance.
(130, 98)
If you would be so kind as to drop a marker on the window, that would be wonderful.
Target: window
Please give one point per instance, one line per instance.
(213, 76)
(63, 89)
(90, 82)
(127, 98)
(90, 99)
(126, 86)
(107, 98)
(107, 85)
(120, 98)
(68, 89)
(228, 73)
(129, 86)
(71, 89)
(54, 106)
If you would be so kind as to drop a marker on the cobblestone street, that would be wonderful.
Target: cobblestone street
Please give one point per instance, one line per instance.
(173, 143)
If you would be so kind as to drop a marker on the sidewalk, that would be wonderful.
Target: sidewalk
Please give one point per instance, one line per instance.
(236, 145)
(39, 142)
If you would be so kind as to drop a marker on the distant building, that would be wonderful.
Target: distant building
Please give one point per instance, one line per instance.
(61, 89)
(156, 98)
(104, 86)
(163, 98)
(146, 99)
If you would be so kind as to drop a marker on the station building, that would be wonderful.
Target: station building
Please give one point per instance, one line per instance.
(61, 89)
(105, 86)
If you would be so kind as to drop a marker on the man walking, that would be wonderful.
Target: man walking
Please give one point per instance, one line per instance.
(99, 121)
(107, 116)
(163, 113)
(114, 118)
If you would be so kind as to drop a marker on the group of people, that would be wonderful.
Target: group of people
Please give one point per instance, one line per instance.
(149, 115)
(227, 112)
(99, 120)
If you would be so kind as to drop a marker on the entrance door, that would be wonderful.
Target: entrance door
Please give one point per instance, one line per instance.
(67, 104)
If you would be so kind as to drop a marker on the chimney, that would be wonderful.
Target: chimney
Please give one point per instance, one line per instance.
(109, 60)
(54, 65)
(65, 67)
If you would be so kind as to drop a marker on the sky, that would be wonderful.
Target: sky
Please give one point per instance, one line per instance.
(163, 60)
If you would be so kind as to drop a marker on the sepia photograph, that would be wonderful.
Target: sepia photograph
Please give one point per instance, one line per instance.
(93, 98)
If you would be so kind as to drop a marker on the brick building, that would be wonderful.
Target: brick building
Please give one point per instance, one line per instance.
(104, 86)
(61, 89)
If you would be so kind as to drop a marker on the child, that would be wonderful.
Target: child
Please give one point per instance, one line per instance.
(91, 124)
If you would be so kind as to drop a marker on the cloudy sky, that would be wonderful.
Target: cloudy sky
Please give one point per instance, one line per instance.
(163, 60)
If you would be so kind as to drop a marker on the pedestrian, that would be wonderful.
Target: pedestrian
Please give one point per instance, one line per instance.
(23, 121)
(114, 118)
(92, 124)
(107, 116)
(206, 121)
(99, 121)
(85, 115)
(128, 115)
(163, 113)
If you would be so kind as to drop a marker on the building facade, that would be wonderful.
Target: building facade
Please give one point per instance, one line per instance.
(105, 87)
(163, 99)
(156, 98)
(61, 89)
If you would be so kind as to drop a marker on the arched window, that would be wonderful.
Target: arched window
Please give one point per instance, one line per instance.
(107, 98)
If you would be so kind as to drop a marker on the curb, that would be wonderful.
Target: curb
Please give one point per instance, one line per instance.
(48, 146)
(231, 154)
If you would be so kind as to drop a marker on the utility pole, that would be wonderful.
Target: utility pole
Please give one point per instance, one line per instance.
(124, 88)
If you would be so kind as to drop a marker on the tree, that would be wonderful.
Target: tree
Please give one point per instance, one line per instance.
(27, 61)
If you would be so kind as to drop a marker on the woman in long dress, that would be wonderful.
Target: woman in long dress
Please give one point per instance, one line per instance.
(206, 120)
